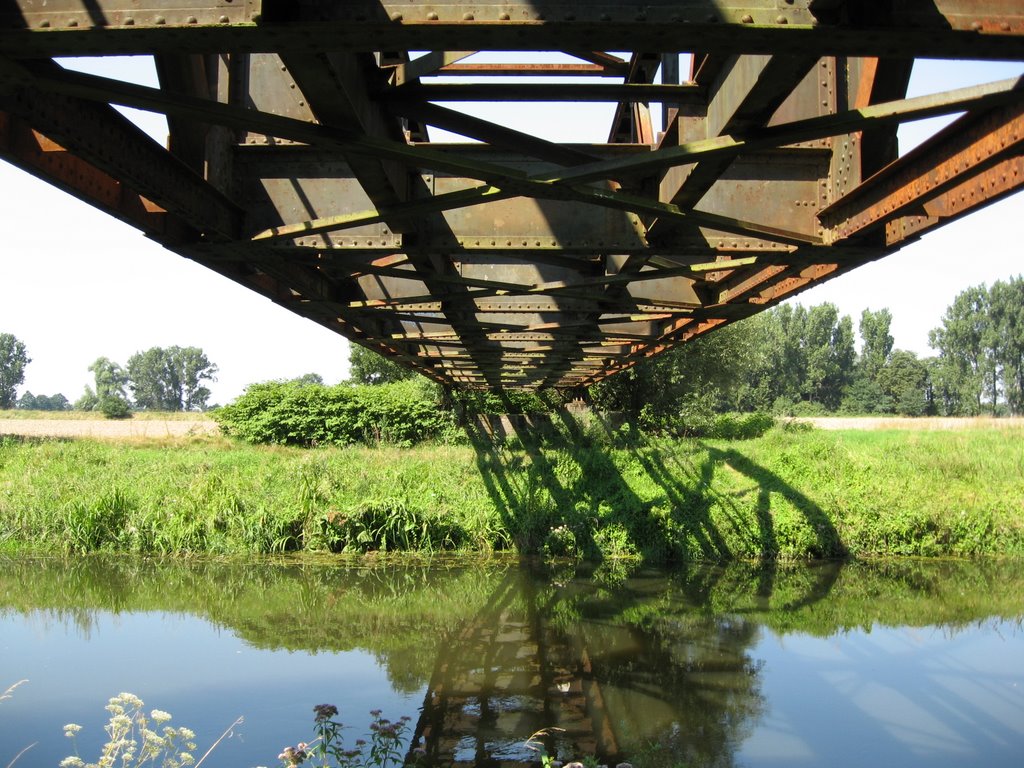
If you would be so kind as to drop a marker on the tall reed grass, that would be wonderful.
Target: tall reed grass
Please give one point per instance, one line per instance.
(788, 494)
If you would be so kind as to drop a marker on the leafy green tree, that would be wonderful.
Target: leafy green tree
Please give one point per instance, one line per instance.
(30, 402)
(88, 401)
(865, 396)
(109, 397)
(785, 327)
(966, 341)
(369, 367)
(111, 379)
(903, 380)
(171, 378)
(13, 359)
(943, 392)
(1007, 304)
(154, 381)
(876, 341)
(716, 372)
(830, 355)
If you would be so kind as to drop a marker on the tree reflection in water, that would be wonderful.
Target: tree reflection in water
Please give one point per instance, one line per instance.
(631, 663)
(608, 667)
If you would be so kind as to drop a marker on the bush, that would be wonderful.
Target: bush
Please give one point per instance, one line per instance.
(114, 407)
(741, 426)
(298, 413)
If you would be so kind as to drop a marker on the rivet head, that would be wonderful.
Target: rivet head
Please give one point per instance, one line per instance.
(468, 17)
(747, 18)
(73, 23)
(396, 16)
(1005, 26)
(781, 19)
(432, 16)
(503, 17)
(976, 26)
(191, 20)
(129, 22)
(44, 24)
(160, 20)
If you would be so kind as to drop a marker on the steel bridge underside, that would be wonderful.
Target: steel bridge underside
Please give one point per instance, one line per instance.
(299, 162)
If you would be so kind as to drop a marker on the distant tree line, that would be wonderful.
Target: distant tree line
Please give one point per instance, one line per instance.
(790, 360)
(159, 379)
(803, 361)
(795, 360)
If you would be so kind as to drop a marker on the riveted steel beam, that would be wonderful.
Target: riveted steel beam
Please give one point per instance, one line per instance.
(108, 141)
(299, 163)
(952, 28)
(27, 148)
(971, 146)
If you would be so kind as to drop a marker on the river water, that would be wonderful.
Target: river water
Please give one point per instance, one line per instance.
(906, 663)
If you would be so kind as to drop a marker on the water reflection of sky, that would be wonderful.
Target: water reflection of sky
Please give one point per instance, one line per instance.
(903, 696)
(708, 667)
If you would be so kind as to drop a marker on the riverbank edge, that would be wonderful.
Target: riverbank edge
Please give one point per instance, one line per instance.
(788, 495)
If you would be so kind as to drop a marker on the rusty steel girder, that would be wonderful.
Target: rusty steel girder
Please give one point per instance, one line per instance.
(299, 160)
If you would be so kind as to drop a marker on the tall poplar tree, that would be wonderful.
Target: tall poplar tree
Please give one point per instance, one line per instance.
(13, 359)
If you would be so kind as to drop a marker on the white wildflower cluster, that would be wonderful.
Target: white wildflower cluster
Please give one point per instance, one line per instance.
(132, 738)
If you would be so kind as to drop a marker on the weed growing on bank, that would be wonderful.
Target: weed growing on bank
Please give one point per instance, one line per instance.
(382, 747)
(594, 493)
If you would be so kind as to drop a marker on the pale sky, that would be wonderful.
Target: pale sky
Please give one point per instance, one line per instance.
(76, 284)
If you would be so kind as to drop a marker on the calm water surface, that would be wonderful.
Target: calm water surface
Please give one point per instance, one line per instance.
(892, 663)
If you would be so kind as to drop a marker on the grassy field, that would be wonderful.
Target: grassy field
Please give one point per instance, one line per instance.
(791, 494)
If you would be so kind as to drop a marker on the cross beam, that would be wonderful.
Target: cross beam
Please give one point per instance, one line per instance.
(299, 161)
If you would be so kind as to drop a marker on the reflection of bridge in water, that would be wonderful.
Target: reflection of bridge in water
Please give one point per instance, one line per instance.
(508, 674)
(299, 162)
(556, 657)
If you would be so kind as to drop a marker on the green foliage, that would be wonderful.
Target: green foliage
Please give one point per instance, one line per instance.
(171, 378)
(30, 402)
(740, 426)
(13, 359)
(877, 340)
(503, 402)
(771, 361)
(597, 494)
(101, 524)
(1008, 317)
(109, 398)
(111, 379)
(289, 413)
(327, 750)
(390, 525)
(369, 367)
(88, 401)
(114, 407)
(981, 351)
(718, 371)
(902, 381)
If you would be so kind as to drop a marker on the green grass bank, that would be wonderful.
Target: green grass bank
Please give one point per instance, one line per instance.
(788, 494)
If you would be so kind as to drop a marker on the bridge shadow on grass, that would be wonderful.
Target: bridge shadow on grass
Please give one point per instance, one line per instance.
(587, 489)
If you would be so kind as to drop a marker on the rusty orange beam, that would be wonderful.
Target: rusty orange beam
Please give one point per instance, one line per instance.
(966, 148)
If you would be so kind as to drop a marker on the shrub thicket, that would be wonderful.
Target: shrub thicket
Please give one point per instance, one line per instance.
(294, 413)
